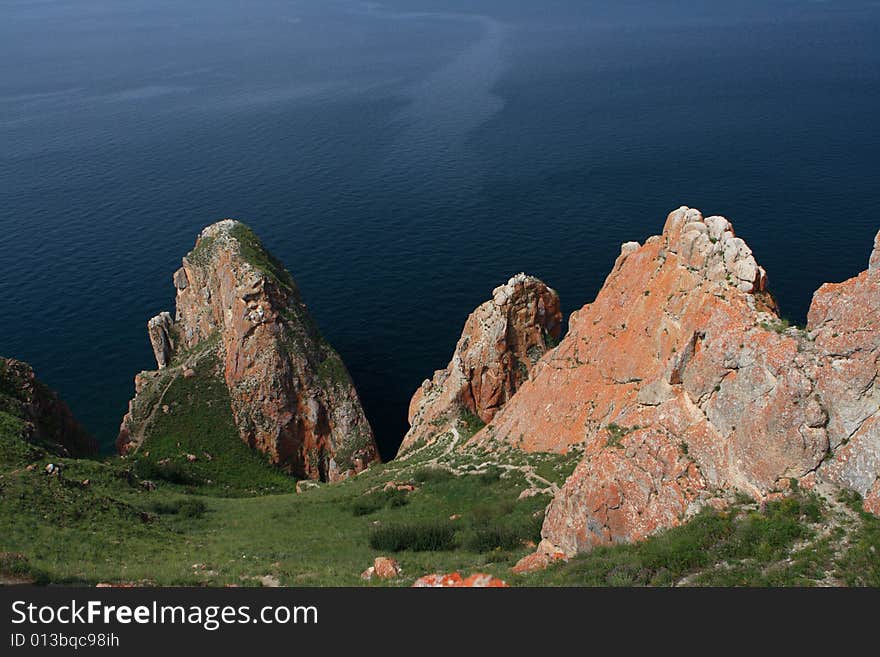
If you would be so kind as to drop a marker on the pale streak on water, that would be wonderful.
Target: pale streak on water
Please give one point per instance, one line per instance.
(444, 108)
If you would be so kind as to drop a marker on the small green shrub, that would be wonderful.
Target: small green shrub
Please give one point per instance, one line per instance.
(496, 537)
(752, 548)
(364, 506)
(172, 472)
(616, 434)
(367, 504)
(12, 563)
(432, 475)
(397, 499)
(183, 508)
(483, 514)
(778, 326)
(424, 537)
(860, 564)
(470, 423)
(491, 475)
(503, 525)
(16, 567)
(503, 534)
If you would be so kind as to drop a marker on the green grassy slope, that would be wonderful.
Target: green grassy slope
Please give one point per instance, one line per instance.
(98, 522)
(193, 419)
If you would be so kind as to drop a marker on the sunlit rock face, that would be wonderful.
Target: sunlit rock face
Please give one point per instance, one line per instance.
(681, 382)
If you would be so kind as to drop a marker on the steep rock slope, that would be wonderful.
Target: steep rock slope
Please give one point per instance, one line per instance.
(681, 382)
(844, 322)
(290, 394)
(31, 411)
(501, 341)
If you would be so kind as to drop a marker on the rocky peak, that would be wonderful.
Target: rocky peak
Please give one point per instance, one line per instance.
(41, 416)
(291, 395)
(501, 342)
(680, 380)
(710, 247)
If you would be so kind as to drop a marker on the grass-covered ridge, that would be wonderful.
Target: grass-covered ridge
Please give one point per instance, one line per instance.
(249, 247)
(253, 252)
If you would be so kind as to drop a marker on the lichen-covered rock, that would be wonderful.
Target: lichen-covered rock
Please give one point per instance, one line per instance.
(501, 341)
(545, 555)
(36, 413)
(844, 324)
(291, 395)
(681, 380)
(455, 580)
(631, 482)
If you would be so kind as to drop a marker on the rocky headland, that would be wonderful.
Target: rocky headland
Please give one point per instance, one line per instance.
(682, 383)
(681, 425)
(239, 315)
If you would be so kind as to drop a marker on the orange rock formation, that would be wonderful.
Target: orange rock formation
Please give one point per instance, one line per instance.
(680, 380)
(501, 341)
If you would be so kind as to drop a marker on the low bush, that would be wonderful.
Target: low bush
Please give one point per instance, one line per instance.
(491, 475)
(501, 526)
(483, 514)
(432, 475)
(470, 424)
(172, 472)
(182, 508)
(372, 502)
(496, 537)
(16, 568)
(736, 548)
(424, 537)
(397, 499)
(860, 565)
(367, 504)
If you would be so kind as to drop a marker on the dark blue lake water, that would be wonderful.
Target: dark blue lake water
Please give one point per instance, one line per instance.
(403, 158)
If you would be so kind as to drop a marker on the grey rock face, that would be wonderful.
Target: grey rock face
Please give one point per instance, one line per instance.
(180, 279)
(159, 329)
